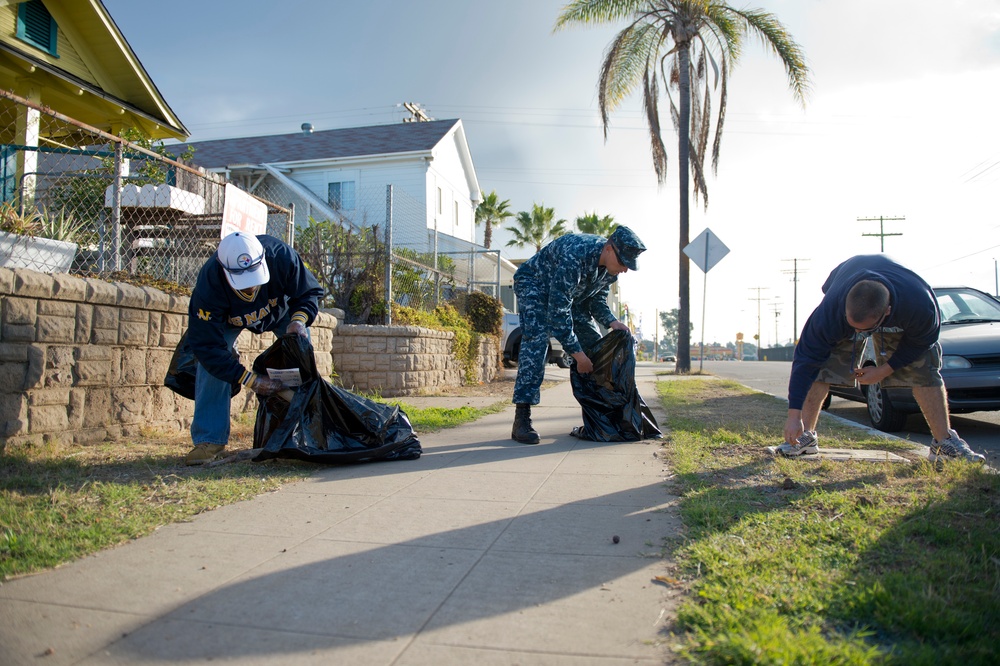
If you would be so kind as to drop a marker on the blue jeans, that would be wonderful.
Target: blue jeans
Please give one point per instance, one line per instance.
(212, 397)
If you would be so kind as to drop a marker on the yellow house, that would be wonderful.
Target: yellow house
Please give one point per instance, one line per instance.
(69, 56)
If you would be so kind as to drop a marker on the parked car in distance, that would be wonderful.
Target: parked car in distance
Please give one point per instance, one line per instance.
(510, 343)
(668, 359)
(970, 346)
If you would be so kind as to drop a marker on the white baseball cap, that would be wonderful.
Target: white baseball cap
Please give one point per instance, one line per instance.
(242, 259)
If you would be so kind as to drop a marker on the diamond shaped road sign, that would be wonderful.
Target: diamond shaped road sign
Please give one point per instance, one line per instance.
(706, 250)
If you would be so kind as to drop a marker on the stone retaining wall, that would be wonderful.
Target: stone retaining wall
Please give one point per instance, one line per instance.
(404, 360)
(84, 359)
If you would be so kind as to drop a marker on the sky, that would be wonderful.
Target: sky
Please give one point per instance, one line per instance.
(901, 122)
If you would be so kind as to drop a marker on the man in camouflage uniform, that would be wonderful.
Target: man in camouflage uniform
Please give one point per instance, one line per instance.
(562, 291)
(871, 298)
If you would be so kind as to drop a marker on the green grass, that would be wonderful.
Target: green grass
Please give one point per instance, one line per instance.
(60, 503)
(822, 562)
(430, 419)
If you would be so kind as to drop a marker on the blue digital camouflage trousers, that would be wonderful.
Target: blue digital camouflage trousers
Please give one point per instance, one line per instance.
(531, 359)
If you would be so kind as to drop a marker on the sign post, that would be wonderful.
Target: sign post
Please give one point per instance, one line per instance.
(705, 251)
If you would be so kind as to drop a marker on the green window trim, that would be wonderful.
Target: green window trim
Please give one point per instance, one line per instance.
(36, 26)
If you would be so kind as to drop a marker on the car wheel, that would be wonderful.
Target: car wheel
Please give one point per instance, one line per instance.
(510, 359)
(565, 362)
(884, 415)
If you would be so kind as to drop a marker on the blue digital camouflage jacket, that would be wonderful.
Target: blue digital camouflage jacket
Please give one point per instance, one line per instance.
(564, 277)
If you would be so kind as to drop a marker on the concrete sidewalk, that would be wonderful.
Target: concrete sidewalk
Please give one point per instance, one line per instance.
(483, 551)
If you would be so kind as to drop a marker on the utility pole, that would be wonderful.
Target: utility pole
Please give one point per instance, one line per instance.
(775, 308)
(418, 115)
(795, 298)
(656, 336)
(758, 299)
(881, 227)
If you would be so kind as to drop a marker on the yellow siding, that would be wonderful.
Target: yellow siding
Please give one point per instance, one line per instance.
(8, 22)
(69, 59)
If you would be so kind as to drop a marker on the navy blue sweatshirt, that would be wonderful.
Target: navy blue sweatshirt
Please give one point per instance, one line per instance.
(914, 312)
(215, 306)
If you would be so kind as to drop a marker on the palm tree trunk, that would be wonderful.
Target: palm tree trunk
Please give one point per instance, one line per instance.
(684, 172)
(488, 234)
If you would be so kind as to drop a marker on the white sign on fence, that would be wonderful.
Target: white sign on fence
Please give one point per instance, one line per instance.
(242, 212)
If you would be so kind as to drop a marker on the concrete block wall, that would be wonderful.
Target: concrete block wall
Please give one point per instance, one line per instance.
(404, 360)
(82, 359)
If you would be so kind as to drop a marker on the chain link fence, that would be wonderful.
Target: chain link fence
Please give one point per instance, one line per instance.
(344, 240)
(76, 199)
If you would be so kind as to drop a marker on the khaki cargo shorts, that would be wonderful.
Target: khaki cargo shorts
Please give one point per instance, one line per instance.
(879, 346)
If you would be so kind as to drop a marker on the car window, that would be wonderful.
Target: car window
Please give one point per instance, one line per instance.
(959, 305)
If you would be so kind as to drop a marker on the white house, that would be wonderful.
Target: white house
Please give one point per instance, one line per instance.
(343, 175)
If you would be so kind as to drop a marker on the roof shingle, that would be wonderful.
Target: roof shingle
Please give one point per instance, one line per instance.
(326, 144)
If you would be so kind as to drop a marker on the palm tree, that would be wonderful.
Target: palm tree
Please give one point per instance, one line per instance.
(536, 228)
(491, 211)
(601, 226)
(678, 44)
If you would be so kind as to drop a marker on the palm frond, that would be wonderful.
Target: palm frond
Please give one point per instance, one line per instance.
(650, 103)
(721, 120)
(698, 174)
(773, 35)
(597, 11)
(623, 67)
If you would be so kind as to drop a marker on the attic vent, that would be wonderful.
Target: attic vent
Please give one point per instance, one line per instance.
(307, 128)
(36, 26)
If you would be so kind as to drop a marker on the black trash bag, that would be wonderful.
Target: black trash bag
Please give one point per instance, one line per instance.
(324, 423)
(181, 373)
(613, 410)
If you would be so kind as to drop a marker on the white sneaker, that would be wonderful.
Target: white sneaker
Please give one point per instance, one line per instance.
(954, 448)
(805, 445)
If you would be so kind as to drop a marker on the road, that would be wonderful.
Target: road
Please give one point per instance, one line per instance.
(980, 429)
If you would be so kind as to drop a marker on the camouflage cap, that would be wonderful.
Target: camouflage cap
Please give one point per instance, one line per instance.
(627, 247)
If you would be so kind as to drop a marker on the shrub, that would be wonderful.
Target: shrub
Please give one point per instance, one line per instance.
(465, 345)
(485, 312)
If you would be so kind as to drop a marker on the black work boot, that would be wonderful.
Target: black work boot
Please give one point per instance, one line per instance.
(522, 431)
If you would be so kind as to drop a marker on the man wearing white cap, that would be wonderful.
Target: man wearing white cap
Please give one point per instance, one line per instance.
(257, 283)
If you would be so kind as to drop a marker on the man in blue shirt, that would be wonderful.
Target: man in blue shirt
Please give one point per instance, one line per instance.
(871, 297)
(257, 283)
(562, 291)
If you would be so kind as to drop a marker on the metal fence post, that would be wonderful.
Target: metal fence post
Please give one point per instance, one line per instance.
(472, 272)
(116, 211)
(388, 255)
(437, 271)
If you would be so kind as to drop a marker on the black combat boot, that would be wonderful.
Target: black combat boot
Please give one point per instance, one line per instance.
(522, 431)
